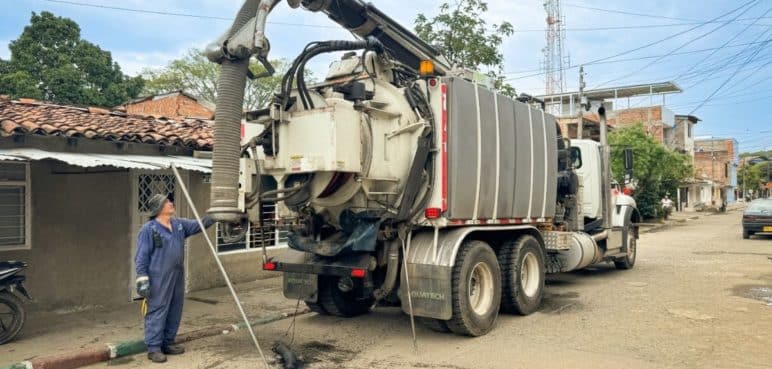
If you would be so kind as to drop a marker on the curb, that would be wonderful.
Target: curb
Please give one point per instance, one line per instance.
(96, 354)
(658, 226)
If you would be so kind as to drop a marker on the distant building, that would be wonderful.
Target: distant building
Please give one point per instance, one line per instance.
(716, 160)
(658, 121)
(173, 105)
(683, 135)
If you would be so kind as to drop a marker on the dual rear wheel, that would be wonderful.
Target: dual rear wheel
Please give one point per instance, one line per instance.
(484, 283)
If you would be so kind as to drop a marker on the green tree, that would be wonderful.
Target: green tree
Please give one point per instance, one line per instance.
(460, 33)
(656, 171)
(50, 61)
(750, 177)
(195, 74)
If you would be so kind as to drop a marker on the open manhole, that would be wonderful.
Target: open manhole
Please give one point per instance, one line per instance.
(756, 292)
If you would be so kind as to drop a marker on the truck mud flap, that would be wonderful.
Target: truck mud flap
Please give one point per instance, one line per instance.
(301, 286)
(430, 290)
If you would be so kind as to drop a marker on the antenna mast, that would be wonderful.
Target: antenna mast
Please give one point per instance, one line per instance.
(554, 61)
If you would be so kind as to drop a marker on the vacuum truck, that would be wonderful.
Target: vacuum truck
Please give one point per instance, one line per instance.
(401, 180)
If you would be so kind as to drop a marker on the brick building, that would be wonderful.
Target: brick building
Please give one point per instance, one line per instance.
(716, 160)
(173, 105)
(658, 121)
(683, 137)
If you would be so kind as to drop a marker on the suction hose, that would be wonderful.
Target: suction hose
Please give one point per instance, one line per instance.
(227, 128)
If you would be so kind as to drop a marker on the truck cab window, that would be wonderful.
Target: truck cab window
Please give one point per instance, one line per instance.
(576, 157)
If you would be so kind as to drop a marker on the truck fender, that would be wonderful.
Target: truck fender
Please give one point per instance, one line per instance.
(625, 215)
(429, 266)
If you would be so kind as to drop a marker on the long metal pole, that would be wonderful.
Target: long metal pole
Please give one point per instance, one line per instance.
(219, 264)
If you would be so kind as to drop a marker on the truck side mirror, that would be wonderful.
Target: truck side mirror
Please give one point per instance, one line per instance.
(628, 160)
(628, 165)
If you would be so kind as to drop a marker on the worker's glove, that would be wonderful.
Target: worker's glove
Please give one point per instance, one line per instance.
(143, 286)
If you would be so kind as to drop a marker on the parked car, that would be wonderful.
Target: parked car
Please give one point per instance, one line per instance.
(757, 218)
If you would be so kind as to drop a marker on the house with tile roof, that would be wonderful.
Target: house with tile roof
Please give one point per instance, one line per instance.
(74, 186)
(175, 105)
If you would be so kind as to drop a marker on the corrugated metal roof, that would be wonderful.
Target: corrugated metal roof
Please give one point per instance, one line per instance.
(118, 161)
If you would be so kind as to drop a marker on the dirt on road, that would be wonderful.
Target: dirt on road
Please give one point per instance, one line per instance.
(699, 297)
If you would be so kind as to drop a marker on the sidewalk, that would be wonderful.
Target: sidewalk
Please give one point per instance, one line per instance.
(47, 333)
(681, 217)
(675, 218)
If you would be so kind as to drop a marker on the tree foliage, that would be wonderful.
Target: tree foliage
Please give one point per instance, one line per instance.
(763, 154)
(656, 170)
(50, 61)
(751, 177)
(195, 74)
(460, 33)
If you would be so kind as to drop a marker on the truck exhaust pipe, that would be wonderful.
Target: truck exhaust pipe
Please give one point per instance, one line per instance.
(227, 128)
(605, 169)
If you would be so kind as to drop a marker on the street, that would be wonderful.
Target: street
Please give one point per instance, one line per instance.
(699, 297)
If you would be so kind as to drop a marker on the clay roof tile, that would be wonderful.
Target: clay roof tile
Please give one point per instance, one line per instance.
(28, 116)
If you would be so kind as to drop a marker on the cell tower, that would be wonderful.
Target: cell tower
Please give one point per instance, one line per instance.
(554, 62)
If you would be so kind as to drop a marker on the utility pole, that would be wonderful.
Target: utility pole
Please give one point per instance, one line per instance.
(580, 114)
(712, 171)
(766, 153)
(745, 184)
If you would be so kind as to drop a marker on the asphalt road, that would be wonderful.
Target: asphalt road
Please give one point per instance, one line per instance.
(699, 297)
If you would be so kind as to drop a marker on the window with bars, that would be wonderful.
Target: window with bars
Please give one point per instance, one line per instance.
(14, 205)
(151, 184)
(254, 237)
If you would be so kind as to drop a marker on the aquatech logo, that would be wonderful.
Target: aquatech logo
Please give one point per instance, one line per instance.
(428, 295)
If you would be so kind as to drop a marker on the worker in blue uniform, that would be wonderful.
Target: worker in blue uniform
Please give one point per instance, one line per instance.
(161, 276)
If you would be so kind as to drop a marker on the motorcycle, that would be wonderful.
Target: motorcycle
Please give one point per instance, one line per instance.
(12, 312)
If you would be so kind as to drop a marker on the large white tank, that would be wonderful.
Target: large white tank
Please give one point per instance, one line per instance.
(359, 153)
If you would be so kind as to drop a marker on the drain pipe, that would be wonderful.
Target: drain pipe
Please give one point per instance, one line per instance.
(227, 127)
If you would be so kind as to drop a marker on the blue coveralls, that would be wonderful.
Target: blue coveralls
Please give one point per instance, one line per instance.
(165, 267)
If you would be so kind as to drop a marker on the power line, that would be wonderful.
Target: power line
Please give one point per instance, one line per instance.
(740, 102)
(646, 57)
(596, 61)
(723, 45)
(640, 26)
(723, 24)
(175, 14)
(710, 71)
(631, 13)
(707, 74)
(728, 79)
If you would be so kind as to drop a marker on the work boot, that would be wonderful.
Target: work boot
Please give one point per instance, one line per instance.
(156, 357)
(173, 350)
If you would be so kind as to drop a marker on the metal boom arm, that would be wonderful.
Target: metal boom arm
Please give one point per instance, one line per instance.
(364, 19)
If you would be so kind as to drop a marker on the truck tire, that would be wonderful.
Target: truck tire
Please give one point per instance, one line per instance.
(334, 301)
(436, 325)
(12, 316)
(628, 261)
(523, 274)
(476, 290)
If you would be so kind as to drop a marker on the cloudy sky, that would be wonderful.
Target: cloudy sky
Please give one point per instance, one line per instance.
(710, 47)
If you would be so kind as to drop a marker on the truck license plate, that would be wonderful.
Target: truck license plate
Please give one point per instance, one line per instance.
(767, 229)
